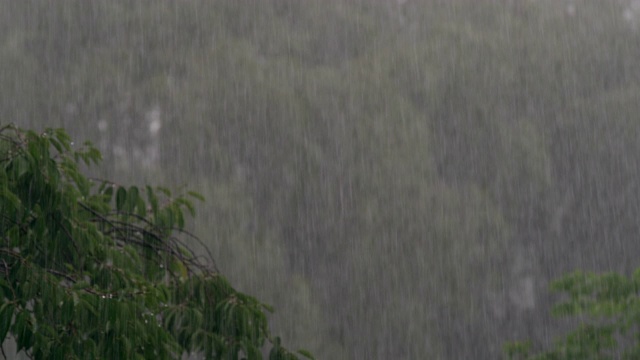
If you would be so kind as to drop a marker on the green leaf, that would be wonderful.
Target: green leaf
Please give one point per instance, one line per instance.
(132, 199)
(187, 204)
(164, 190)
(64, 138)
(121, 198)
(22, 330)
(306, 354)
(177, 267)
(57, 145)
(108, 192)
(141, 208)
(6, 314)
(196, 195)
(179, 219)
(153, 200)
(10, 197)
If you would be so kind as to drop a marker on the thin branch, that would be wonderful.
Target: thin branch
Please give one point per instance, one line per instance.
(124, 230)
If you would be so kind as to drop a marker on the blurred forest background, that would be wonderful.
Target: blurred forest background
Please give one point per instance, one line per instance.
(400, 178)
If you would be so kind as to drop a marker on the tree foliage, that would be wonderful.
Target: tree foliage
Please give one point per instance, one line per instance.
(608, 308)
(92, 269)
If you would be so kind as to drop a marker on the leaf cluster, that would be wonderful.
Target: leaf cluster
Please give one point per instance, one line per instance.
(92, 269)
(608, 306)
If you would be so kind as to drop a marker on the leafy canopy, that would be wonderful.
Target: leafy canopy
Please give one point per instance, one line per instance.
(91, 269)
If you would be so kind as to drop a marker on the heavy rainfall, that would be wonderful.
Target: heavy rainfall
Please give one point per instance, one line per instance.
(399, 179)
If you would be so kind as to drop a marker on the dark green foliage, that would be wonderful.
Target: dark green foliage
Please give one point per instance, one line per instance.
(90, 269)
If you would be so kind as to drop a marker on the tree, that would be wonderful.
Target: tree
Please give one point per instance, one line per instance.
(609, 307)
(91, 269)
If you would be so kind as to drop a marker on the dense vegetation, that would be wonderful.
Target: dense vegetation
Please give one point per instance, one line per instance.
(90, 269)
(403, 177)
(608, 306)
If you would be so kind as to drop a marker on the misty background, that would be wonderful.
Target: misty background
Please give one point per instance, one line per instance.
(401, 179)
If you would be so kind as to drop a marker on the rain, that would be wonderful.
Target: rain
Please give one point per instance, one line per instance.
(399, 179)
